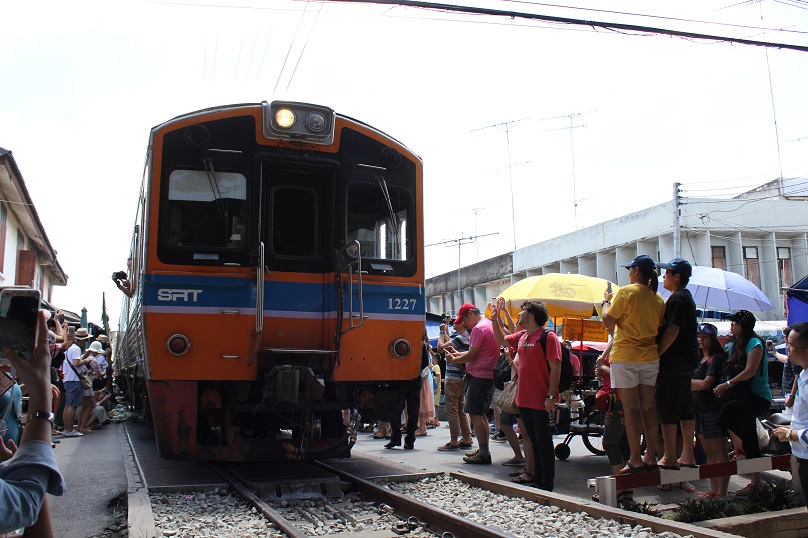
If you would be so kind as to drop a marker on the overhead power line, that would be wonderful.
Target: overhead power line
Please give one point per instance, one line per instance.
(614, 26)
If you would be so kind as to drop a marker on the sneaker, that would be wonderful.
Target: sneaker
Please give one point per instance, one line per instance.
(499, 437)
(461, 444)
(478, 459)
(448, 446)
(514, 462)
(72, 433)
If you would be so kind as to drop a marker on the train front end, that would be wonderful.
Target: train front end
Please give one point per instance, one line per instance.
(282, 276)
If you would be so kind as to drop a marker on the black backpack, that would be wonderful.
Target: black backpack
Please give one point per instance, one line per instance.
(502, 371)
(565, 381)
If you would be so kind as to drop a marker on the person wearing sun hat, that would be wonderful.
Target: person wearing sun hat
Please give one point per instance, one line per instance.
(76, 360)
(635, 314)
(744, 392)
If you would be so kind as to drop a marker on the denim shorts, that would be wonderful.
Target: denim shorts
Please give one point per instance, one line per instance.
(74, 393)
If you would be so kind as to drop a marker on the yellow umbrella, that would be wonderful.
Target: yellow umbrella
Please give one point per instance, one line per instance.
(566, 295)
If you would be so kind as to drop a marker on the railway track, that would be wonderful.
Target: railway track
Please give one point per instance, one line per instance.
(389, 500)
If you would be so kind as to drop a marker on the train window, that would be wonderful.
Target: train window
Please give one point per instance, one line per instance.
(297, 205)
(377, 218)
(206, 209)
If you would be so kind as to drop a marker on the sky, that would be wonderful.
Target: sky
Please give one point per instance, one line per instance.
(527, 130)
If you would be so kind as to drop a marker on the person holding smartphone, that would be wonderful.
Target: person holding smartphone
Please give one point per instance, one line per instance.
(29, 472)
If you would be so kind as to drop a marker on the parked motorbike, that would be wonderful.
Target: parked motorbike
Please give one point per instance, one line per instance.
(775, 447)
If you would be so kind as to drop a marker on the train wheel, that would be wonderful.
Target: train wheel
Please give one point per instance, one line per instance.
(593, 438)
(562, 451)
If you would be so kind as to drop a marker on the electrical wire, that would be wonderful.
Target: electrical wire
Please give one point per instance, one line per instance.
(660, 17)
(291, 44)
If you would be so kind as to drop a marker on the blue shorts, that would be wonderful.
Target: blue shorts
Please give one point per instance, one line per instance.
(74, 393)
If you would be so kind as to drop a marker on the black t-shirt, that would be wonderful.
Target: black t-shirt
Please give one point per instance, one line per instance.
(682, 355)
(703, 400)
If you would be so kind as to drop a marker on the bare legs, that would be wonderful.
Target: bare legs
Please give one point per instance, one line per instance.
(640, 410)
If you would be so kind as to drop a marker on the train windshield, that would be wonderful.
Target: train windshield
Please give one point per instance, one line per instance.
(206, 209)
(377, 218)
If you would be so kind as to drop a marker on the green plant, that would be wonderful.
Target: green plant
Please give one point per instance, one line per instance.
(766, 498)
(646, 507)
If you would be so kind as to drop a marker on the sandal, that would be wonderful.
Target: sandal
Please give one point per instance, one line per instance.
(746, 490)
(517, 473)
(523, 478)
(687, 486)
(664, 487)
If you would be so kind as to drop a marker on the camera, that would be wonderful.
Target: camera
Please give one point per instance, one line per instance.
(118, 275)
(19, 308)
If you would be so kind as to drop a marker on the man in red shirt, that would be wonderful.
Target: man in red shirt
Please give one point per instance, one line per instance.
(537, 390)
(480, 360)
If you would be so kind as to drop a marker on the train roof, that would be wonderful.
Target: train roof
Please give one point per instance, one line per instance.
(252, 105)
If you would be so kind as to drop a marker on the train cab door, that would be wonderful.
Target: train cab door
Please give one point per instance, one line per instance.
(297, 219)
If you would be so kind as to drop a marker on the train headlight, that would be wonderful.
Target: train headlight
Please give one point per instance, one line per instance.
(285, 118)
(300, 122)
(316, 122)
(178, 344)
(400, 348)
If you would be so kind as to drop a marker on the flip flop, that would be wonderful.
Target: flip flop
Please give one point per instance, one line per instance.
(669, 467)
(517, 473)
(651, 466)
(687, 486)
(664, 487)
(630, 469)
(689, 466)
(521, 479)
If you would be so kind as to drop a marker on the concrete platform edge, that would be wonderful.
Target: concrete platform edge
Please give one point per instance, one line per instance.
(140, 517)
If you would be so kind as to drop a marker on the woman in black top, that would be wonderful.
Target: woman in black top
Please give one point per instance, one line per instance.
(712, 435)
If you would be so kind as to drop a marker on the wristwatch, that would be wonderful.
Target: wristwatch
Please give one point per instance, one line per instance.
(550, 397)
(44, 415)
(728, 383)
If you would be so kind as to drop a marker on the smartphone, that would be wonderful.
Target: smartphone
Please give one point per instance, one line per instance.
(6, 382)
(609, 286)
(19, 308)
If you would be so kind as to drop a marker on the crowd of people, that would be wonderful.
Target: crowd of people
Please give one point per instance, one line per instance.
(68, 384)
(673, 394)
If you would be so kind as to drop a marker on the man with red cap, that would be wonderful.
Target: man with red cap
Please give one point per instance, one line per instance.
(480, 360)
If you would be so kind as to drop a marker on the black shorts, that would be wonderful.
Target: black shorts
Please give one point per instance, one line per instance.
(674, 398)
(479, 393)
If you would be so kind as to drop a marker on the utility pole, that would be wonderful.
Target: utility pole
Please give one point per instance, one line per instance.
(459, 242)
(677, 213)
(572, 152)
(506, 126)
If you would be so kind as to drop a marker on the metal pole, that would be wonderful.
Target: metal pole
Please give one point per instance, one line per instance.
(676, 214)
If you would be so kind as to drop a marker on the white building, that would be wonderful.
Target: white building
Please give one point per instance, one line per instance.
(762, 235)
(26, 255)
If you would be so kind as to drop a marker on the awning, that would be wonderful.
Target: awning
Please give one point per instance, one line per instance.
(766, 329)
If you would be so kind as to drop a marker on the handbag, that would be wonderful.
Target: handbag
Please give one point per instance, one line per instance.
(506, 400)
(604, 401)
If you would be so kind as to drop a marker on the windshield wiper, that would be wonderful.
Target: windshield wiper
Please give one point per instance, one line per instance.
(386, 194)
(214, 186)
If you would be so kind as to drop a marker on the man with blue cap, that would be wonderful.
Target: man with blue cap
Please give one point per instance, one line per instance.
(678, 356)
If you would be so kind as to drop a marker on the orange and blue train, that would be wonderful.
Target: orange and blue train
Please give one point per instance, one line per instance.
(277, 280)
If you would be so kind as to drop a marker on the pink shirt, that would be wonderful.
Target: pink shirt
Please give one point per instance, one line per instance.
(482, 337)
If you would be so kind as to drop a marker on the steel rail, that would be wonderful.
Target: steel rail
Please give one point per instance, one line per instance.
(437, 519)
(283, 524)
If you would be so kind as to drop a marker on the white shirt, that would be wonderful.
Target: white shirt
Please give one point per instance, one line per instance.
(799, 418)
(72, 353)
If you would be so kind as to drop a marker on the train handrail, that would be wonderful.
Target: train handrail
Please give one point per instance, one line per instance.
(358, 263)
(259, 301)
